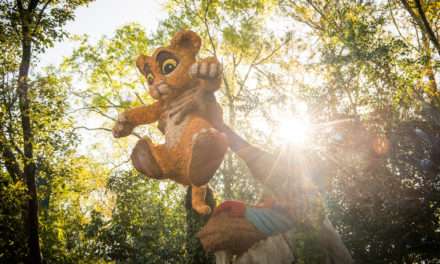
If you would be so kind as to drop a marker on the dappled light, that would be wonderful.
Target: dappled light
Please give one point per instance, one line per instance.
(127, 127)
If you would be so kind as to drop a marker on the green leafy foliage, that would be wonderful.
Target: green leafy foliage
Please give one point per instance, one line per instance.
(373, 61)
(147, 223)
(12, 200)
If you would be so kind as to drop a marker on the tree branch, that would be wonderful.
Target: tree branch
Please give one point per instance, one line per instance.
(20, 6)
(205, 21)
(40, 14)
(103, 129)
(427, 26)
(10, 160)
(32, 5)
(139, 98)
(93, 128)
(397, 27)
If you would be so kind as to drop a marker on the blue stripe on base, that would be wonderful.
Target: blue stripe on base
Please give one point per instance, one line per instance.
(268, 220)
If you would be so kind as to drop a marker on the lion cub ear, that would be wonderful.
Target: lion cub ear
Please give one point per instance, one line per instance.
(141, 63)
(186, 40)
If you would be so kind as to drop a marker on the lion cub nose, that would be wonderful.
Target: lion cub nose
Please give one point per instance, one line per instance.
(163, 89)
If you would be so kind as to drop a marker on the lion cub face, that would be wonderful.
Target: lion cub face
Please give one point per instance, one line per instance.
(167, 69)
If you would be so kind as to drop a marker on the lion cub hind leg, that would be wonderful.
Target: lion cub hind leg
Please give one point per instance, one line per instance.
(208, 149)
(148, 159)
(198, 203)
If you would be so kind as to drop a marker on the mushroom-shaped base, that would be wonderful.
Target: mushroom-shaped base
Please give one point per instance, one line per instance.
(228, 233)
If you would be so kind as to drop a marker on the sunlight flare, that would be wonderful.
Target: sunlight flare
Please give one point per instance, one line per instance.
(294, 130)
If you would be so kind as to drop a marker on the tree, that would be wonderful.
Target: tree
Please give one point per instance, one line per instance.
(384, 78)
(34, 25)
(12, 198)
(142, 227)
(425, 15)
(375, 62)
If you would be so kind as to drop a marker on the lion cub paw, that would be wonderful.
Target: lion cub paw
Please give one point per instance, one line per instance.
(209, 68)
(202, 209)
(122, 127)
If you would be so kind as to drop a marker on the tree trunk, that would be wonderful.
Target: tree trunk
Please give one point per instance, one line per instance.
(431, 87)
(422, 22)
(229, 172)
(29, 164)
(426, 26)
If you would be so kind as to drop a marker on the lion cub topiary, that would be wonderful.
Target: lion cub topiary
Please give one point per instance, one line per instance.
(184, 92)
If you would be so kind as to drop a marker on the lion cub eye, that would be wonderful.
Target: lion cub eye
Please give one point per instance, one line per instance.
(150, 78)
(168, 66)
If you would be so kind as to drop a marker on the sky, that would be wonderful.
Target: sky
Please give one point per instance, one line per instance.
(103, 17)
